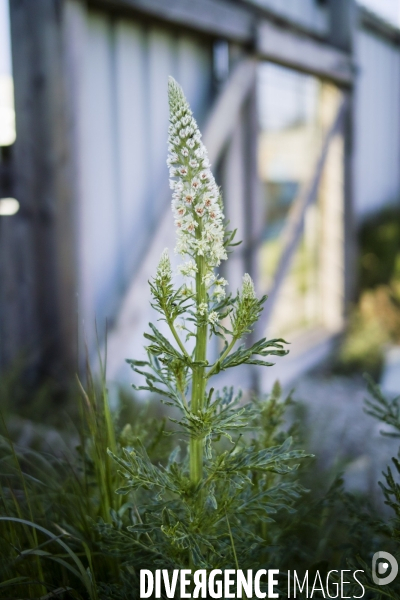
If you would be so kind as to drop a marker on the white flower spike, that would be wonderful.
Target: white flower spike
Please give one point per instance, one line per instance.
(164, 271)
(196, 199)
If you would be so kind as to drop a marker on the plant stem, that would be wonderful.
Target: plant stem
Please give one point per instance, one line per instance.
(177, 338)
(221, 358)
(232, 542)
(199, 378)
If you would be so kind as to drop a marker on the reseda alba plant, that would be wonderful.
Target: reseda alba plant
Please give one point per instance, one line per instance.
(203, 509)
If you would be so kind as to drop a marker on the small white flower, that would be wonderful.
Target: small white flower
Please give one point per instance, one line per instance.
(193, 163)
(201, 151)
(180, 211)
(204, 175)
(209, 278)
(185, 152)
(203, 307)
(178, 186)
(195, 183)
(188, 269)
(182, 246)
(176, 141)
(213, 317)
(190, 223)
(199, 210)
(201, 247)
(183, 133)
(190, 143)
(183, 170)
(188, 197)
(187, 291)
(219, 292)
(219, 254)
(172, 159)
(221, 281)
(213, 188)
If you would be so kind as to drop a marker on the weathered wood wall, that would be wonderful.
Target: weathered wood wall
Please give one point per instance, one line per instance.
(37, 245)
(89, 159)
(121, 73)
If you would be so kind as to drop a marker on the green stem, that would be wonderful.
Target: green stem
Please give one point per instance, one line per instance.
(232, 542)
(222, 357)
(199, 376)
(177, 338)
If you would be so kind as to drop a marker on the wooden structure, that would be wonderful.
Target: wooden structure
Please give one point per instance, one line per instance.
(88, 163)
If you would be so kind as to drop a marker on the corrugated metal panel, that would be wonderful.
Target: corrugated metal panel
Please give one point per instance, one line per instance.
(307, 13)
(377, 123)
(123, 124)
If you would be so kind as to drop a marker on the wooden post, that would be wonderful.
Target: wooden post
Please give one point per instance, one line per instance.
(350, 229)
(233, 190)
(342, 23)
(38, 266)
(253, 195)
(252, 206)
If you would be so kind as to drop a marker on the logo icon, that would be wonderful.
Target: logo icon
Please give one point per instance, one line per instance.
(381, 573)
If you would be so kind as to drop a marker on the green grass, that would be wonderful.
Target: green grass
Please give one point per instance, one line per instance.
(52, 500)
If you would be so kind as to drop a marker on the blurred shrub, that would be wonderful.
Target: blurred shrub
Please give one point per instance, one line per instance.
(375, 319)
(379, 241)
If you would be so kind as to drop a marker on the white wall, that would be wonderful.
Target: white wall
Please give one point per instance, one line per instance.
(376, 124)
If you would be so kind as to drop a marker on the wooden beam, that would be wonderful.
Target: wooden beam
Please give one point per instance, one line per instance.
(276, 38)
(351, 252)
(372, 22)
(342, 15)
(300, 52)
(214, 17)
(295, 220)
